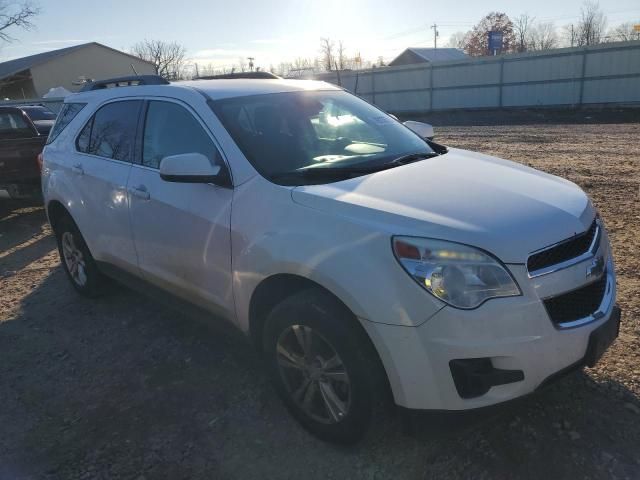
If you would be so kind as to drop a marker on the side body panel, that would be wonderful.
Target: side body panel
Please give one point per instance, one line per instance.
(93, 190)
(271, 234)
(181, 232)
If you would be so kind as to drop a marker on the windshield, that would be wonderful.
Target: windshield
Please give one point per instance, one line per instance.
(39, 113)
(286, 135)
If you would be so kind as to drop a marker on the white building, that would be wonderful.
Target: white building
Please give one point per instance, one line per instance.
(427, 55)
(33, 76)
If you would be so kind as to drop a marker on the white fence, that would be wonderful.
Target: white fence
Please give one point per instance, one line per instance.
(607, 74)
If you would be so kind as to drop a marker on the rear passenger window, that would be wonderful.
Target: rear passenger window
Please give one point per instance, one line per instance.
(66, 115)
(171, 130)
(111, 132)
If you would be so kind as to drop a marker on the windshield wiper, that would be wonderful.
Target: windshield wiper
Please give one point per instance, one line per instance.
(409, 158)
(324, 172)
(349, 172)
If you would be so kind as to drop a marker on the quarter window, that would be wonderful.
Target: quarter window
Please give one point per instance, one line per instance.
(111, 132)
(170, 129)
(66, 115)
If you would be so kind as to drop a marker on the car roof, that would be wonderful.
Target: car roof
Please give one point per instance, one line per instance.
(214, 89)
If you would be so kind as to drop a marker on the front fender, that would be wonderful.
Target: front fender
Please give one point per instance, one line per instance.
(352, 260)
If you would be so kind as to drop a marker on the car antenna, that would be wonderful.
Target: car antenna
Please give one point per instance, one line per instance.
(134, 69)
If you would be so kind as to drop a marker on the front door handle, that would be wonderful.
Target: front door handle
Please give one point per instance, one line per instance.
(77, 169)
(140, 191)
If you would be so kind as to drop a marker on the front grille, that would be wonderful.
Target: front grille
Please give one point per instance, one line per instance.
(571, 248)
(577, 304)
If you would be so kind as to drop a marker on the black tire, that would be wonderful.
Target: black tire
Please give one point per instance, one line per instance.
(93, 281)
(329, 321)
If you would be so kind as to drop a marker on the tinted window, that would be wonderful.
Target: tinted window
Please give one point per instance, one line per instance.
(39, 113)
(111, 131)
(14, 125)
(67, 113)
(171, 130)
(82, 143)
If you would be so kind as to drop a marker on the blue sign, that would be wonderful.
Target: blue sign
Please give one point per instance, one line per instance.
(495, 42)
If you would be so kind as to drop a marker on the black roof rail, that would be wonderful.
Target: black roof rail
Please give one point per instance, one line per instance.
(124, 82)
(255, 75)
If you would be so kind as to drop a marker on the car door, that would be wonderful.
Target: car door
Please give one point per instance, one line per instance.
(105, 148)
(181, 230)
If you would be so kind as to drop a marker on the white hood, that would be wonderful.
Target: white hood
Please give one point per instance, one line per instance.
(503, 207)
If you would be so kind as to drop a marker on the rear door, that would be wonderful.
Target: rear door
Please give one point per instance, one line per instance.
(105, 151)
(181, 230)
(20, 145)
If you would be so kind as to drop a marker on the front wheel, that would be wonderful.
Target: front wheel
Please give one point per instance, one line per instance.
(321, 366)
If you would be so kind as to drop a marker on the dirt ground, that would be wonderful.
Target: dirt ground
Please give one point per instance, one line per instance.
(122, 387)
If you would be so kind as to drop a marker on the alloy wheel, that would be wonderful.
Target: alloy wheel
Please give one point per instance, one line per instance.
(314, 374)
(74, 259)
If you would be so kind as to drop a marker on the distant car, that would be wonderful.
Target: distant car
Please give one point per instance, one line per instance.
(41, 116)
(360, 256)
(20, 144)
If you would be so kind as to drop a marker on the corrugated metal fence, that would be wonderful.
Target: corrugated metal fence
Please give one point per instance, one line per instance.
(607, 74)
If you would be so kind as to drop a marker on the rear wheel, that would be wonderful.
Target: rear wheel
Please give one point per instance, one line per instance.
(321, 366)
(76, 259)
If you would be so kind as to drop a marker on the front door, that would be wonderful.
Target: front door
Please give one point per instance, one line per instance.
(181, 230)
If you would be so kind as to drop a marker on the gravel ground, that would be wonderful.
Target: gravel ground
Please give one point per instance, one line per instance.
(122, 387)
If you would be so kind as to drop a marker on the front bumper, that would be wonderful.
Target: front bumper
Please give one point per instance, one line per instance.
(514, 334)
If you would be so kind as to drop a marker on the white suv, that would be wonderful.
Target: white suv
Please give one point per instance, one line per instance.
(359, 257)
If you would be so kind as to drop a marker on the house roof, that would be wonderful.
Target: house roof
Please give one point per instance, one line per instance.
(17, 65)
(435, 54)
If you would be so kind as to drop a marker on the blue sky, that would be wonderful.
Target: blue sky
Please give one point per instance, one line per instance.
(278, 30)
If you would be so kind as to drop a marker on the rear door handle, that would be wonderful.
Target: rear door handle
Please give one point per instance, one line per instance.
(140, 191)
(77, 168)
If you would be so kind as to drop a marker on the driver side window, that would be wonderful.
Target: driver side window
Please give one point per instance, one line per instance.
(171, 129)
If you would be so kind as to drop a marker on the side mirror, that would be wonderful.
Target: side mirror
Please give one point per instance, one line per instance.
(188, 168)
(423, 130)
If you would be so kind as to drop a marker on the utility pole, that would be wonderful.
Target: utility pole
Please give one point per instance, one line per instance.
(572, 37)
(251, 59)
(435, 35)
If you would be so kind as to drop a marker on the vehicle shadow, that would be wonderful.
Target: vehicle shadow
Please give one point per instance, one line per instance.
(124, 387)
(24, 235)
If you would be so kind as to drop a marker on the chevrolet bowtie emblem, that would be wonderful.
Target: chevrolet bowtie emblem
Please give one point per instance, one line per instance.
(596, 268)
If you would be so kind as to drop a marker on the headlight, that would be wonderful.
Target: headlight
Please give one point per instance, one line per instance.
(462, 276)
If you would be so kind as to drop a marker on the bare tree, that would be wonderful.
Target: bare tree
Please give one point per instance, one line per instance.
(327, 49)
(167, 57)
(592, 24)
(299, 68)
(522, 26)
(342, 56)
(570, 35)
(456, 40)
(18, 15)
(542, 36)
(624, 32)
